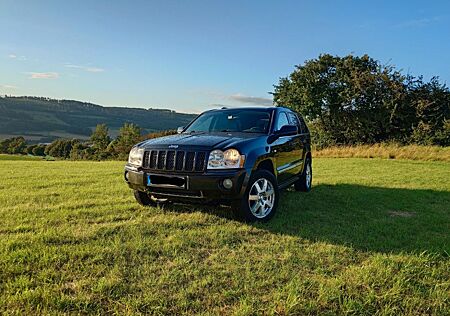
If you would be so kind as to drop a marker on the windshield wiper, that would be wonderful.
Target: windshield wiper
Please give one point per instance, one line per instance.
(192, 132)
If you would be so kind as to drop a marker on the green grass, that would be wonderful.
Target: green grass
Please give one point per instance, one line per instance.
(371, 238)
(19, 157)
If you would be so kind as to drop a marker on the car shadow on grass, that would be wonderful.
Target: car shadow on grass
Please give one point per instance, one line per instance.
(211, 209)
(367, 218)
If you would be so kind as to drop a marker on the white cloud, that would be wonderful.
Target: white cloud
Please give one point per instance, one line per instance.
(85, 68)
(43, 75)
(250, 99)
(95, 69)
(219, 105)
(7, 86)
(14, 56)
(418, 22)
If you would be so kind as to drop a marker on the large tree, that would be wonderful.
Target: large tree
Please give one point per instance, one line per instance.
(129, 135)
(17, 145)
(100, 137)
(350, 99)
(431, 101)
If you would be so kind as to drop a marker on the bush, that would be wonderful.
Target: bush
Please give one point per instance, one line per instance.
(39, 150)
(61, 148)
(15, 145)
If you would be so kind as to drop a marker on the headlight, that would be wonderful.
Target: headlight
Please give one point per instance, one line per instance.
(135, 157)
(230, 158)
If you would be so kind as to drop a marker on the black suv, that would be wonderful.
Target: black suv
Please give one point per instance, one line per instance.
(237, 156)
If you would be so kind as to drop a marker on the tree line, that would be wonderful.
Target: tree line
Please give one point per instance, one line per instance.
(357, 100)
(348, 100)
(100, 146)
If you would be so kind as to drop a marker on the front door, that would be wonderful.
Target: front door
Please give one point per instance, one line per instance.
(287, 151)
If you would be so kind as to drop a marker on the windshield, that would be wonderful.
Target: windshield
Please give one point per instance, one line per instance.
(241, 121)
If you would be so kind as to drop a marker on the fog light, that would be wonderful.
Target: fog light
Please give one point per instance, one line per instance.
(227, 184)
(126, 175)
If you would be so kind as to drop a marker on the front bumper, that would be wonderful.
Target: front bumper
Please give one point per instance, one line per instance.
(206, 186)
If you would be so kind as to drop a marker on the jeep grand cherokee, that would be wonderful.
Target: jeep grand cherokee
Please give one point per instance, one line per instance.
(238, 156)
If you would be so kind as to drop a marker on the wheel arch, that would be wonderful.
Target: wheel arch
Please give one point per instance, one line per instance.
(266, 164)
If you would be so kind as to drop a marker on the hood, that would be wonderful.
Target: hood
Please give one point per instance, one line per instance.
(204, 141)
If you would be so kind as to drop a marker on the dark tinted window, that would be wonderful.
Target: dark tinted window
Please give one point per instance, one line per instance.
(294, 121)
(281, 121)
(303, 126)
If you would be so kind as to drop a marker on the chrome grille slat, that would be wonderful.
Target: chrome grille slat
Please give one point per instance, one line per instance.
(179, 160)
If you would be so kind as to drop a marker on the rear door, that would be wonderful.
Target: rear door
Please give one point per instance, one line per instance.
(298, 146)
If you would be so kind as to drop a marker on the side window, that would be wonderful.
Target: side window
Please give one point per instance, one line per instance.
(294, 121)
(281, 121)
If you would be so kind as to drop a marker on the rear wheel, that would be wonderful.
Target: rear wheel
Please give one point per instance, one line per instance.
(260, 200)
(304, 183)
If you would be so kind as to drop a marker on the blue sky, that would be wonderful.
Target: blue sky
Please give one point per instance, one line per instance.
(194, 55)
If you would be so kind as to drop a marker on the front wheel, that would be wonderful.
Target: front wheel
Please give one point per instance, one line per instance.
(260, 200)
(146, 199)
(143, 198)
(304, 183)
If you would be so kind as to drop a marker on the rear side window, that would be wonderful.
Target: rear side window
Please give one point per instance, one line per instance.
(294, 121)
(303, 126)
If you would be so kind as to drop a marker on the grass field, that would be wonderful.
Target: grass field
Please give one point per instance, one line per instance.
(373, 237)
(387, 151)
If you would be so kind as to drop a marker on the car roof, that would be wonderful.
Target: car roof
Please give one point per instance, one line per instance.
(255, 107)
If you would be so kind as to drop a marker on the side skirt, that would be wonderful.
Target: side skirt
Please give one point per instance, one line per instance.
(287, 183)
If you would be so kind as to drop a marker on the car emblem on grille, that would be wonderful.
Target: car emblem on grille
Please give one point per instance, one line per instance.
(173, 146)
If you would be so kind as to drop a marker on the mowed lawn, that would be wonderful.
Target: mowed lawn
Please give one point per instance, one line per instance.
(373, 237)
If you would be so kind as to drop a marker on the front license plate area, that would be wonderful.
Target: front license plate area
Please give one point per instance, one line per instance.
(156, 180)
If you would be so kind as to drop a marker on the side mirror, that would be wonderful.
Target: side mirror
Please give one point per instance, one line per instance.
(180, 129)
(287, 130)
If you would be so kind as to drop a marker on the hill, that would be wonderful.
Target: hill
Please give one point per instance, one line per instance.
(43, 119)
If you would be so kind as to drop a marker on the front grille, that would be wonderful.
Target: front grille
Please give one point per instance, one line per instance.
(178, 160)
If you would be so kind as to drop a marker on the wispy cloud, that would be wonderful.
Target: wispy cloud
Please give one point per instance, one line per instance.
(219, 105)
(43, 75)
(14, 56)
(7, 86)
(85, 68)
(421, 22)
(250, 99)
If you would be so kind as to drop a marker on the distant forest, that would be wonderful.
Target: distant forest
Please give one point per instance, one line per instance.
(41, 119)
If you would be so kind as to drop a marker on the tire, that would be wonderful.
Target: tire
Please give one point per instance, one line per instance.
(143, 198)
(304, 183)
(260, 200)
